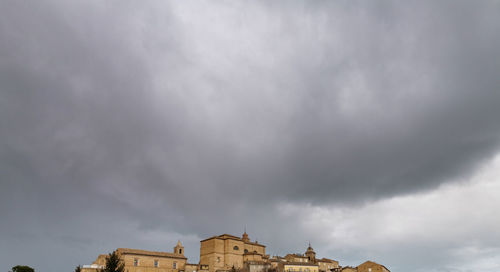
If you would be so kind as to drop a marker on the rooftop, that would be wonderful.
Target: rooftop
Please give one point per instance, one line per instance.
(131, 251)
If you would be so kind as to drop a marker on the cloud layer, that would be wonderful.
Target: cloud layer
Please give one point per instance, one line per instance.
(190, 119)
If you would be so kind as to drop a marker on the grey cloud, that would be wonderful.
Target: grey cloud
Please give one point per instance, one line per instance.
(196, 118)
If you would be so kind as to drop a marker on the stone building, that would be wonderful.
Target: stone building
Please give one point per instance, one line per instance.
(297, 267)
(309, 257)
(296, 258)
(326, 264)
(136, 260)
(224, 253)
(256, 266)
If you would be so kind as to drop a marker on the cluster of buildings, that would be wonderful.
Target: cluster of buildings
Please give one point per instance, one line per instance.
(228, 253)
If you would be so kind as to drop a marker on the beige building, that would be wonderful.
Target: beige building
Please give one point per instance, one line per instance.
(257, 266)
(136, 260)
(370, 266)
(327, 264)
(275, 261)
(297, 267)
(226, 251)
(309, 257)
(296, 258)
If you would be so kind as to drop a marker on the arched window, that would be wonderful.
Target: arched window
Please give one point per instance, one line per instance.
(246, 250)
(236, 248)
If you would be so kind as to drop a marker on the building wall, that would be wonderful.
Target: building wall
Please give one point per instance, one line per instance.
(296, 258)
(251, 247)
(256, 266)
(212, 254)
(146, 263)
(101, 259)
(190, 267)
(252, 257)
(275, 265)
(225, 251)
(327, 266)
(233, 253)
(297, 267)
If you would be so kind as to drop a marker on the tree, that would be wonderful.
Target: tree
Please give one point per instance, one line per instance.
(78, 268)
(22, 268)
(271, 269)
(113, 263)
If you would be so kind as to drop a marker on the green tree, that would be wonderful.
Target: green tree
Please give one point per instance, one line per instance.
(22, 268)
(113, 263)
(78, 268)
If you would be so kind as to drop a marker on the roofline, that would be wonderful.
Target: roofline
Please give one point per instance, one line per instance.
(298, 263)
(123, 251)
(231, 237)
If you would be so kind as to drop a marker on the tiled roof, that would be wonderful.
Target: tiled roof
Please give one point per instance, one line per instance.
(326, 260)
(149, 253)
(296, 256)
(229, 236)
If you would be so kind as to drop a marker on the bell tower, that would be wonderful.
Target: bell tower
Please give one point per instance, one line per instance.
(245, 237)
(179, 249)
(311, 254)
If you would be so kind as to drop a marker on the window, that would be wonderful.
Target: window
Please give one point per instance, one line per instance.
(246, 250)
(136, 262)
(180, 250)
(236, 248)
(156, 263)
(174, 265)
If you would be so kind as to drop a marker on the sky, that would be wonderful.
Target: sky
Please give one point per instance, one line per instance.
(368, 128)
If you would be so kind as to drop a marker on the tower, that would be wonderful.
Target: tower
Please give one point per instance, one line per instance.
(311, 254)
(245, 237)
(179, 249)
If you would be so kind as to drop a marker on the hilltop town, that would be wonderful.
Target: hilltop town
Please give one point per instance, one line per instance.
(228, 253)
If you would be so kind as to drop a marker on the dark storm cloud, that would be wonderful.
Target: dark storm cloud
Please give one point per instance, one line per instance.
(195, 118)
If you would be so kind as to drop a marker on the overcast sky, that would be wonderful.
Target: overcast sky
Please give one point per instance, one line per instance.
(369, 128)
